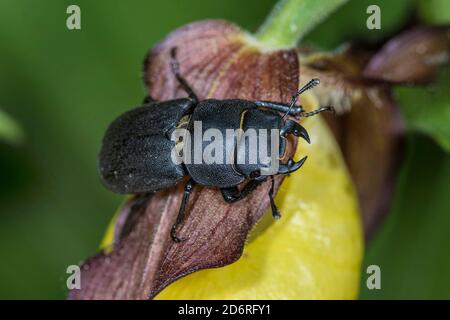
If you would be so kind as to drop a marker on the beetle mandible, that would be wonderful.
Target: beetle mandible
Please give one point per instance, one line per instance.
(136, 153)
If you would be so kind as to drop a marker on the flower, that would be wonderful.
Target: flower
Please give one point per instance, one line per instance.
(315, 250)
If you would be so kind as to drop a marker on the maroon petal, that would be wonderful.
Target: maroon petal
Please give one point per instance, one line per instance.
(413, 56)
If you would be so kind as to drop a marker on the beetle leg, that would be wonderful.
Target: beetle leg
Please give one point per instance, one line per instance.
(321, 109)
(291, 166)
(148, 99)
(292, 127)
(176, 71)
(232, 194)
(187, 192)
(275, 213)
(280, 107)
(290, 108)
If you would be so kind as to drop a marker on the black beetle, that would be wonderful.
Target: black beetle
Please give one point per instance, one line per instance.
(136, 154)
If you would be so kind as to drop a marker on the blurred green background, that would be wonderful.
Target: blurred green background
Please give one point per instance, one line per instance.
(59, 89)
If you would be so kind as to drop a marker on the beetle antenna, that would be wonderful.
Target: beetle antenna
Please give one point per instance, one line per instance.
(176, 71)
(311, 84)
(322, 109)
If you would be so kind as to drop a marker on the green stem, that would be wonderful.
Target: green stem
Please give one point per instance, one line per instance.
(290, 20)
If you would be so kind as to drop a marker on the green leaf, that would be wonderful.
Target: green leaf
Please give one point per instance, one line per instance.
(10, 131)
(435, 11)
(427, 110)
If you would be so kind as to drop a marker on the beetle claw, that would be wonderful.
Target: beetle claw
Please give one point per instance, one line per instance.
(291, 166)
(296, 129)
(303, 133)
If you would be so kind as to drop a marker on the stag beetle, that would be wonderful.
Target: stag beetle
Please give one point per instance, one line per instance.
(137, 150)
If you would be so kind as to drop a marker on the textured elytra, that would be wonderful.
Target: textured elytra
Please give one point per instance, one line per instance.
(128, 162)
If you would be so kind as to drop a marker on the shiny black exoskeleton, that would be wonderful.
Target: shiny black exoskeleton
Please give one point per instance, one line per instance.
(137, 151)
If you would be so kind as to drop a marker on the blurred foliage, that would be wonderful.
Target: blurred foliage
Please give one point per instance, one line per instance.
(427, 110)
(10, 131)
(435, 11)
(64, 87)
(349, 23)
(413, 244)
